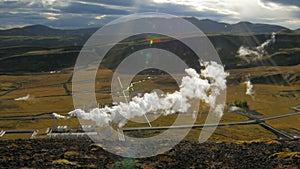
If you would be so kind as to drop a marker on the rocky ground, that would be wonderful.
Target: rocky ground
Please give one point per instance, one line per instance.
(82, 153)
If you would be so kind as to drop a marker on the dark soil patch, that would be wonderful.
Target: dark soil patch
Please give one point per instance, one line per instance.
(81, 153)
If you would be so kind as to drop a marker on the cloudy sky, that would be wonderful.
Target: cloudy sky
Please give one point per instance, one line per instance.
(92, 13)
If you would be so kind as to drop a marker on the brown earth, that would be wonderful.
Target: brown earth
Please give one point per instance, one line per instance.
(82, 153)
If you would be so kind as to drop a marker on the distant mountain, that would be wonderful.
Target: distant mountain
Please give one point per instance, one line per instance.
(41, 30)
(210, 26)
(206, 25)
(40, 48)
(241, 27)
(214, 27)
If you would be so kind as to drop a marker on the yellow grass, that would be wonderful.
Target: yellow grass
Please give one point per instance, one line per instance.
(286, 155)
(44, 88)
(63, 162)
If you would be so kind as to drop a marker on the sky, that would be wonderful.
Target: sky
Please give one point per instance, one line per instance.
(73, 14)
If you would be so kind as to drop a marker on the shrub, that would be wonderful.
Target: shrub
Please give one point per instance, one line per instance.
(241, 104)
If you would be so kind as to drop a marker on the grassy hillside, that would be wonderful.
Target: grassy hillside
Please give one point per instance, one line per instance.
(48, 53)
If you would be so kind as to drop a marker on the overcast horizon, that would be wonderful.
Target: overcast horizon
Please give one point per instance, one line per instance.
(74, 14)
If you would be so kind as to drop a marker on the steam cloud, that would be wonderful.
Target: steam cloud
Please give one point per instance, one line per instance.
(249, 88)
(27, 97)
(205, 86)
(256, 53)
(58, 116)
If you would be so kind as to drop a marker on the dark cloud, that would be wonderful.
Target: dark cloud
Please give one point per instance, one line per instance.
(76, 7)
(83, 13)
(12, 5)
(127, 3)
(79, 21)
(70, 22)
(12, 20)
(284, 2)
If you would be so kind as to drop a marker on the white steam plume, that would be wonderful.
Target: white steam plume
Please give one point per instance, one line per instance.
(58, 116)
(256, 53)
(249, 88)
(206, 86)
(27, 97)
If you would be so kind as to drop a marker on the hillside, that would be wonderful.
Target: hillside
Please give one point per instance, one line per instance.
(213, 27)
(40, 48)
(37, 53)
(41, 30)
(206, 25)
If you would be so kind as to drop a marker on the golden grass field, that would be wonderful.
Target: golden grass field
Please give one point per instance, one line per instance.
(47, 95)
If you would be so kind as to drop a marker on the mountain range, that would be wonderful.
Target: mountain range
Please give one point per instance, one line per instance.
(38, 48)
(41, 30)
(206, 25)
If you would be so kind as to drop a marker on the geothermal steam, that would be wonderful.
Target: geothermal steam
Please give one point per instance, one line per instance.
(249, 88)
(206, 86)
(58, 116)
(27, 97)
(257, 53)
